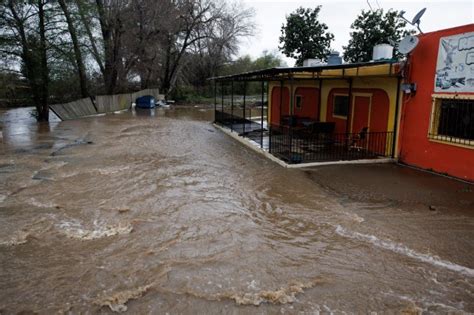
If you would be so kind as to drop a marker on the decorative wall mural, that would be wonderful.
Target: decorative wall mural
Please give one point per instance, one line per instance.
(455, 65)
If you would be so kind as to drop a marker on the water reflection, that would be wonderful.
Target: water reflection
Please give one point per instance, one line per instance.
(145, 112)
(20, 128)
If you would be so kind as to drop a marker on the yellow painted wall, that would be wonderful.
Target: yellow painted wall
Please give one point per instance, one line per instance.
(388, 84)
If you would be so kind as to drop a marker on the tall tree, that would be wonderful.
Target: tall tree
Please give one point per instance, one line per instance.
(86, 10)
(304, 36)
(23, 38)
(117, 45)
(208, 28)
(371, 28)
(111, 18)
(81, 70)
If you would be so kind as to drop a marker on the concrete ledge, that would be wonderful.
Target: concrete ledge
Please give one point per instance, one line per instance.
(254, 146)
(251, 145)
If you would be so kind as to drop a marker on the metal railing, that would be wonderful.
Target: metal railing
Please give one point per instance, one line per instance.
(298, 146)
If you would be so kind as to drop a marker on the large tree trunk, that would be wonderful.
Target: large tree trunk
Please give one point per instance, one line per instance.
(81, 71)
(43, 110)
(35, 61)
(94, 49)
(111, 38)
(165, 81)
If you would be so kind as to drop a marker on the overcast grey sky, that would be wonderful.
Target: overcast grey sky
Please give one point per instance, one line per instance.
(339, 15)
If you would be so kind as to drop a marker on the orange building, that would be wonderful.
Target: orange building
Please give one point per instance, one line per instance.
(419, 112)
(437, 121)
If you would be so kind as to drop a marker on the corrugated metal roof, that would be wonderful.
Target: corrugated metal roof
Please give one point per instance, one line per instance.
(266, 74)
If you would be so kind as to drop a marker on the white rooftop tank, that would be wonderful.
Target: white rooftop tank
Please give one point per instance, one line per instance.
(382, 51)
(312, 62)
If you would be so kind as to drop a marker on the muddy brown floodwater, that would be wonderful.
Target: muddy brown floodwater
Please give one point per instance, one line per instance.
(159, 212)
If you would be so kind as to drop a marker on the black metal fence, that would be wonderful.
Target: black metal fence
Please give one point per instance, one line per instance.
(243, 126)
(296, 146)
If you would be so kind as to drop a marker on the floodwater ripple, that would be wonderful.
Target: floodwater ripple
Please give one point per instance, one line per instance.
(163, 213)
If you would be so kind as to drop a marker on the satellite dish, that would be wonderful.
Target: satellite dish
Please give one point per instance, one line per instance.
(416, 19)
(407, 44)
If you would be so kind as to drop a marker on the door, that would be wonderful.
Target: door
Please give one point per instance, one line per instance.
(360, 115)
(360, 119)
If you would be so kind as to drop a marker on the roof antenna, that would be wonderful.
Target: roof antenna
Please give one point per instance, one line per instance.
(370, 6)
(416, 19)
(376, 1)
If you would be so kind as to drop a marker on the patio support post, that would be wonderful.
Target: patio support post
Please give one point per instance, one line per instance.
(290, 129)
(348, 118)
(232, 105)
(395, 122)
(261, 115)
(215, 99)
(245, 96)
(281, 99)
(222, 99)
(319, 99)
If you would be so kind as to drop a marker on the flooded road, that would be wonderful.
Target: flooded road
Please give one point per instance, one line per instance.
(159, 212)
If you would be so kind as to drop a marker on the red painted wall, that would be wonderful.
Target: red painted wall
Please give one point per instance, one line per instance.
(310, 102)
(379, 109)
(275, 114)
(414, 146)
(309, 105)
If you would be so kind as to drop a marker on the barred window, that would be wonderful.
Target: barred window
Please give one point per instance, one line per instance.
(453, 121)
(341, 105)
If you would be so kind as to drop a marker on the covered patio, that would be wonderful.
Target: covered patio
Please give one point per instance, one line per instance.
(314, 114)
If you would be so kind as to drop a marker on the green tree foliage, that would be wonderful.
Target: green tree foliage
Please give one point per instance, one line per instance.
(246, 63)
(371, 28)
(303, 36)
(197, 88)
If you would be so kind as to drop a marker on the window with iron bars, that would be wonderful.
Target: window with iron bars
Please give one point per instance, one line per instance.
(453, 121)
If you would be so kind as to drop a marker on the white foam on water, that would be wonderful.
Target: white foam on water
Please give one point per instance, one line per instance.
(253, 285)
(19, 238)
(423, 301)
(117, 302)
(403, 250)
(111, 170)
(354, 216)
(2, 198)
(69, 174)
(40, 204)
(54, 165)
(77, 231)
